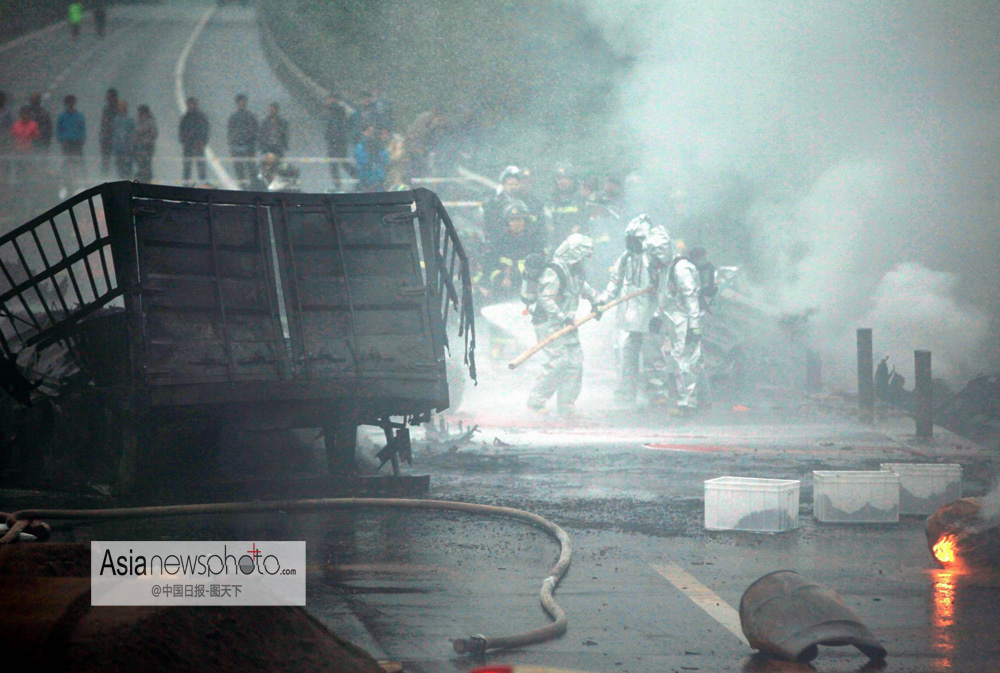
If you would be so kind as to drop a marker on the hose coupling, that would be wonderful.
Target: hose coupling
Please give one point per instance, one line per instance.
(475, 645)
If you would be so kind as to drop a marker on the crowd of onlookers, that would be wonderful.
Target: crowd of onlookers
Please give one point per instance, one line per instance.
(366, 152)
(363, 145)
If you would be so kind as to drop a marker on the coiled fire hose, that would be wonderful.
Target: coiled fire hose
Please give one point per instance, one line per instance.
(476, 645)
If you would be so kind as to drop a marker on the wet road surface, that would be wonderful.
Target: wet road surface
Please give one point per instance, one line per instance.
(403, 584)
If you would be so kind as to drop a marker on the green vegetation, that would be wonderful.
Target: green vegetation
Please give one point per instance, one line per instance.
(535, 75)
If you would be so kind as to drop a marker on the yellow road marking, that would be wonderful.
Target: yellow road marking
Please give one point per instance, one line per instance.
(703, 597)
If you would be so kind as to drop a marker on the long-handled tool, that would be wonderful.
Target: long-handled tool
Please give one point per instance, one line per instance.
(513, 364)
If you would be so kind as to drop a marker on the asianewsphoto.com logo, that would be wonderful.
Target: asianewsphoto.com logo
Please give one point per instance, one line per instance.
(198, 573)
(253, 561)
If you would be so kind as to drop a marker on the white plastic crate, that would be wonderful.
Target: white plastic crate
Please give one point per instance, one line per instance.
(856, 497)
(746, 503)
(923, 487)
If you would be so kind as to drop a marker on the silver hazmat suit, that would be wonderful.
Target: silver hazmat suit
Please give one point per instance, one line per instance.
(631, 274)
(681, 314)
(559, 295)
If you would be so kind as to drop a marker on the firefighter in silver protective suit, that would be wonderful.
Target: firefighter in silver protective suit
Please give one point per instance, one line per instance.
(631, 274)
(560, 287)
(678, 316)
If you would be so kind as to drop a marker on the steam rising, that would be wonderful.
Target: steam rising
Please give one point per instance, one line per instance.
(914, 305)
(844, 153)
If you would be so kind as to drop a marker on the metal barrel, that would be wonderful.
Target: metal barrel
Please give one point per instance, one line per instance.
(786, 616)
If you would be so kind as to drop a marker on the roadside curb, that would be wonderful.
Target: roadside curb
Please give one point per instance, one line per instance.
(309, 91)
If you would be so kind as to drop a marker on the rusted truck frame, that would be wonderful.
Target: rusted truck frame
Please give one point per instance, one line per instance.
(263, 309)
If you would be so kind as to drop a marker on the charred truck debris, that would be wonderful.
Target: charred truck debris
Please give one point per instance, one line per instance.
(142, 323)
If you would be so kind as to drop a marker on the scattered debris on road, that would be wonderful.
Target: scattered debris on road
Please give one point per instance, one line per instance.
(788, 617)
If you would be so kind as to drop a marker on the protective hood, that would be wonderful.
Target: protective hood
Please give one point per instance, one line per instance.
(659, 246)
(639, 227)
(575, 248)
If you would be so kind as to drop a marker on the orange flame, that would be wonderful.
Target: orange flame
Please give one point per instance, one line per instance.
(944, 550)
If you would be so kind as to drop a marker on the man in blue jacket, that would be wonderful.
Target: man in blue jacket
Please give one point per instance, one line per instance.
(372, 161)
(71, 133)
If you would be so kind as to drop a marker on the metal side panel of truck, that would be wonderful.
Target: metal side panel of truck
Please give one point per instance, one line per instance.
(326, 310)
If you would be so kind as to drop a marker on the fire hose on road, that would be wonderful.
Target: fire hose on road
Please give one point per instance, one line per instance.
(476, 645)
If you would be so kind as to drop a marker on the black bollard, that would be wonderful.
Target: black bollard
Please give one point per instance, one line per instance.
(924, 394)
(866, 385)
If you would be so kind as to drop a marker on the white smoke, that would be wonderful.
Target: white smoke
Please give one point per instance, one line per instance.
(915, 308)
(867, 148)
(989, 506)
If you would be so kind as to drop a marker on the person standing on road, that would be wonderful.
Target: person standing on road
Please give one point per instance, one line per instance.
(372, 161)
(273, 133)
(384, 117)
(335, 134)
(193, 134)
(44, 120)
(560, 288)
(71, 133)
(631, 274)
(678, 316)
(507, 251)
(100, 18)
(565, 212)
(75, 16)
(422, 138)
(108, 115)
(145, 143)
(364, 115)
(123, 141)
(241, 132)
(24, 132)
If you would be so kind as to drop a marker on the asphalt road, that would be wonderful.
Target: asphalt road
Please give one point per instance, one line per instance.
(401, 585)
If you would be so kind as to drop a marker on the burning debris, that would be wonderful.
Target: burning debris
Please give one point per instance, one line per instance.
(944, 549)
(960, 535)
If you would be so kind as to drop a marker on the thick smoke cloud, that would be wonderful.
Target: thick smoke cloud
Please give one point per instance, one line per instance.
(847, 154)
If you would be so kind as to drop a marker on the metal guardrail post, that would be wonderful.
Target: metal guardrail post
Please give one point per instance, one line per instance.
(866, 383)
(924, 394)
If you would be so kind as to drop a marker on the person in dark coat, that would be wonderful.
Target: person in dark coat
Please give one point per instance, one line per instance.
(242, 136)
(41, 117)
(273, 138)
(100, 18)
(145, 143)
(108, 115)
(193, 134)
(508, 248)
(335, 133)
(365, 115)
(123, 141)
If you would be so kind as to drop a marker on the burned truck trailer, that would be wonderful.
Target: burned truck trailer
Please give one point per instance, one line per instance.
(153, 308)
